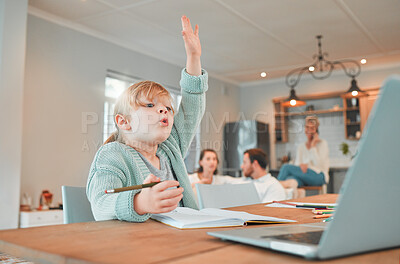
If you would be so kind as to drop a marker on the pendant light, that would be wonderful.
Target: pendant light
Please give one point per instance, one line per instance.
(293, 100)
(321, 69)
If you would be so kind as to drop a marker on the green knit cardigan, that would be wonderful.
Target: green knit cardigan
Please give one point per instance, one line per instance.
(117, 165)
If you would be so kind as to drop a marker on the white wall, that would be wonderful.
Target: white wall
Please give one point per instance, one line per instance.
(64, 80)
(256, 98)
(222, 107)
(12, 59)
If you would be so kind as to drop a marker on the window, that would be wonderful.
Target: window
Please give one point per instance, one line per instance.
(115, 85)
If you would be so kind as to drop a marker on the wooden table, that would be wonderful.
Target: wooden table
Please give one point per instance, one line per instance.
(153, 242)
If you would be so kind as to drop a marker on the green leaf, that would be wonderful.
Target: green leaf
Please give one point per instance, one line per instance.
(344, 147)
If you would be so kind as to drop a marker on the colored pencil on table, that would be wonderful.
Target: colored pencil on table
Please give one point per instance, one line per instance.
(322, 216)
(320, 205)
(311, 206)
(134, 187)
(320, 213)
(323, 210)
(328, 219)
(316, 206)
(292, 204)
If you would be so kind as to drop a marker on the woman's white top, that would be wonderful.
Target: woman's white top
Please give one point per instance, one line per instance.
(316, 158)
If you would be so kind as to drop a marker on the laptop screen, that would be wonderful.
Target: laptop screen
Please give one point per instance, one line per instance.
(371, 188)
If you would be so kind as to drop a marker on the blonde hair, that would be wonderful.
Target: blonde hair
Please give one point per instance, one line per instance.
(131, 98)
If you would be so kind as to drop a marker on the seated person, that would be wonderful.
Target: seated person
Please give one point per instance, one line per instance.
(254, 168)
(312, 161)
(207, 172)
(149, 144)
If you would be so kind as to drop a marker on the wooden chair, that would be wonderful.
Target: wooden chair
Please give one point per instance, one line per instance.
(76, 206)
(320, 189)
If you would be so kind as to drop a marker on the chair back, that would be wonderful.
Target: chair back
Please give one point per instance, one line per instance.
(226, 195)
(76, 206)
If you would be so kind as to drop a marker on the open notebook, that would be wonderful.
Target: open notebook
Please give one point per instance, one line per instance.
(186, 218)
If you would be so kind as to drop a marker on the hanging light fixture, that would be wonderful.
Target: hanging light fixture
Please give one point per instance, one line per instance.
(322, 69)
(293, 100)
(354, 90)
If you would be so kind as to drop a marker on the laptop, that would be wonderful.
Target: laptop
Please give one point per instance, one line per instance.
(367, 217)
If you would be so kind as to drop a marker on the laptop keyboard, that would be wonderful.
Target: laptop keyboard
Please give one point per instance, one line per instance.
(307, 237)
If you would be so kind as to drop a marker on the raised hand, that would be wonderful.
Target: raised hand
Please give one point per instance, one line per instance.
(192, 47)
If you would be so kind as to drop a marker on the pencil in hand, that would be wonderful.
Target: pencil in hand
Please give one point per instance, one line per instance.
(130, 188)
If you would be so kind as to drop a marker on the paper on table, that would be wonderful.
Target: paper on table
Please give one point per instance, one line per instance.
(183, 217)
(281, 205)
(246, 217)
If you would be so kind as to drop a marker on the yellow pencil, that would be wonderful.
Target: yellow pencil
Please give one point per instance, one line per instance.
(323, 211)
(322, 216)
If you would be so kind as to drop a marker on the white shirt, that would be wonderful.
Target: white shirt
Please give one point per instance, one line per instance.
(316, 158)
(269, 189)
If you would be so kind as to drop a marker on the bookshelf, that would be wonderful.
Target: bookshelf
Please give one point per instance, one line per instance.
(355, 111)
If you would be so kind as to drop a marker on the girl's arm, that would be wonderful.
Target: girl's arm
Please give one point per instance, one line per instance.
(194, 84)
(192, 47)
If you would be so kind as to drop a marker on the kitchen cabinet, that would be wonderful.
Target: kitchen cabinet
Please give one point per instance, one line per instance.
(354, 110)
(40, 218)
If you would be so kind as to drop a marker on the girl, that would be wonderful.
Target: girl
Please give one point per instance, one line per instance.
(150, 144)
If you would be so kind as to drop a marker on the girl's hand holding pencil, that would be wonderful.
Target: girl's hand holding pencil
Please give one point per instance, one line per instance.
(159, 198)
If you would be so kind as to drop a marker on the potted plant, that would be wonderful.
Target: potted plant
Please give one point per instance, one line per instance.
(345, 149)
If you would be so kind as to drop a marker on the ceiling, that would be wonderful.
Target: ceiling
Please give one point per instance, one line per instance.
(240, 38)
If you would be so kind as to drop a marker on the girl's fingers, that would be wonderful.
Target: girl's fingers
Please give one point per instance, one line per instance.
(168, 209)
(186, 26)
(162, 186)
(168, 194)
(185, 23)
(196, 30)
(151, 178)
(170, 202)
